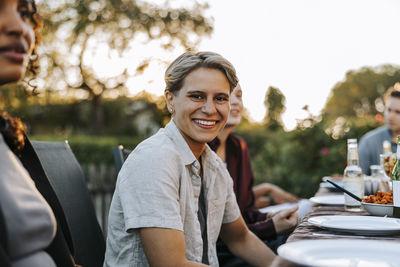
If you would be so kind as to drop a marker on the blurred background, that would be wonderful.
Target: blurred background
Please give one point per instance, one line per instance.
(313, 74)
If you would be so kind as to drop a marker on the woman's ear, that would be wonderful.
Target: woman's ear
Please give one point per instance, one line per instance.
(169, 97)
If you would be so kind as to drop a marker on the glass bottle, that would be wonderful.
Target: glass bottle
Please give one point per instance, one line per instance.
(387, 148)
(396, 182)
(375, 182)
(378, 176)
(353, 179)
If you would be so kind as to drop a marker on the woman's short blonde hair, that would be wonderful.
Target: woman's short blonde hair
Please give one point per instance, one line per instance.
(189, 61)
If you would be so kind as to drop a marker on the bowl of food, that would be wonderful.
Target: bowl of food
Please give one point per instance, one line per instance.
(380, 204)
(378, 209)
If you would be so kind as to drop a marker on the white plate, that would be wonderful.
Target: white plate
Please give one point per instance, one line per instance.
(304, 207)
(334, 252)
(364, 225)
(329, 200)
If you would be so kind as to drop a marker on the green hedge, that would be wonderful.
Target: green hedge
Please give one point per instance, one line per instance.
(297, 160)
(93, 149)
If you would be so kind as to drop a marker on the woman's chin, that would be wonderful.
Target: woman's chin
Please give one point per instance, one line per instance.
(11, 75)
(232, 123)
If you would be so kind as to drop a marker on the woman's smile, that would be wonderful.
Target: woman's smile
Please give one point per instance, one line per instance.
(205, 123)
(15, 51)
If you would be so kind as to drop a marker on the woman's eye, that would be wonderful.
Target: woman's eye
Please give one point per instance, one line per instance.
(25, 13)
(222, 98)
(196, 97)
(25, 10)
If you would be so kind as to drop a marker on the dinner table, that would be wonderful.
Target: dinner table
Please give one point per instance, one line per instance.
(307, 231)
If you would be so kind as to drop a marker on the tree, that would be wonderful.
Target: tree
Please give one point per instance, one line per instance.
(275, 105)
(361, 92)
(77, 30)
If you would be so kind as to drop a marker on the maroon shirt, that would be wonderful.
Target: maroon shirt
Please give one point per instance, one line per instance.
(239, 167)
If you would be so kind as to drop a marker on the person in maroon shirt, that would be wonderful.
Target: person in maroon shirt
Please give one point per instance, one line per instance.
(272, 228)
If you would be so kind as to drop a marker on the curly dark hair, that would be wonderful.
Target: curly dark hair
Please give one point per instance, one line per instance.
(37, 23)
(13, 130)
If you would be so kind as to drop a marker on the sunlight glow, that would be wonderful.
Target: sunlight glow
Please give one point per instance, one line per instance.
(301, 47)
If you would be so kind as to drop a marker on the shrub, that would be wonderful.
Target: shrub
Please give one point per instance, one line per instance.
(297, 160)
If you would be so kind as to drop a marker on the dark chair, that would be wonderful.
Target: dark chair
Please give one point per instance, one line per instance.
(66, 176)
(120, 155)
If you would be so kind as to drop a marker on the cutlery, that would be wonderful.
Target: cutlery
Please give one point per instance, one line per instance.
(344, 190)
(354, 236)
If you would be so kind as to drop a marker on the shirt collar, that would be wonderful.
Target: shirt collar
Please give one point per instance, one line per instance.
(183, 148)
(389, 135)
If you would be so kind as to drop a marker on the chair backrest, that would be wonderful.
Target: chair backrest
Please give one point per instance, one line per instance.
(66, 176)
(120, 155)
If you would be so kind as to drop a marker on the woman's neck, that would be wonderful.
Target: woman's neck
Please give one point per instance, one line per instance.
(223, 136)
(197, 149)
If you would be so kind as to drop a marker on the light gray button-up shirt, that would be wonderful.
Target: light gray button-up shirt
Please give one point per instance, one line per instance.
(158, 186)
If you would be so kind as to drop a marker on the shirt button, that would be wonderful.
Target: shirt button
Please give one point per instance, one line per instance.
(196, 164)
(194, 170)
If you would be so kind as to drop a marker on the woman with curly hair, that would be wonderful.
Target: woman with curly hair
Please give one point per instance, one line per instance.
(29, 209)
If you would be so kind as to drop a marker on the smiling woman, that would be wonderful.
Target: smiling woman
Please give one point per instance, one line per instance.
(173, 194)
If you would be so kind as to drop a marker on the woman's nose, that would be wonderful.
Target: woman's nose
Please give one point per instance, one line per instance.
(234, 100)
(13, 23)
(209, 107)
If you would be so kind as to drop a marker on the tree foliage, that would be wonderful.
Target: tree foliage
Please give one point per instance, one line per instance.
(139, 116)
(275, 105)
(76, 30)
(361, 92)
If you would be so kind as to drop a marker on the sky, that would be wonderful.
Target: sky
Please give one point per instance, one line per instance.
(302, 47)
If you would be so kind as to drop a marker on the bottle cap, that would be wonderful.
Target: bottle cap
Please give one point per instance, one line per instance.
(351, 141)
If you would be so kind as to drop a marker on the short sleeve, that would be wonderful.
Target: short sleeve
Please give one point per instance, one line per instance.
(149, 190)
(232, 211)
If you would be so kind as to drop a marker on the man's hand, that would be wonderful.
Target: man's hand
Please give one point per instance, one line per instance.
(286, 220)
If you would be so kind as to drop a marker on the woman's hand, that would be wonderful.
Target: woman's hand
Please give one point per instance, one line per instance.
(267, 194)
(285, 221)
(281, 196)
